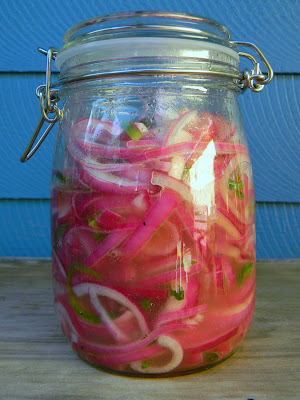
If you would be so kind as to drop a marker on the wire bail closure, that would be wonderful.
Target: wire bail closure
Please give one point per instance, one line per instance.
(48, 99)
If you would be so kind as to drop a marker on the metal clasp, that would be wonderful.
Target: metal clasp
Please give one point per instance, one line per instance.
(48, 103)
(255, 79)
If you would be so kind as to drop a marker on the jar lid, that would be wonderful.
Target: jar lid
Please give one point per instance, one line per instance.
(147, 34)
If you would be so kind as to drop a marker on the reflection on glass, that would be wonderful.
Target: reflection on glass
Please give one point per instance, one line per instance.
(202, 180)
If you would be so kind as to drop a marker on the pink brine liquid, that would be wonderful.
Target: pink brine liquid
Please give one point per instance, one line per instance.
(154, 243)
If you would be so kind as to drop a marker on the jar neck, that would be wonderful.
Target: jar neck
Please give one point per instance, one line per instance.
(193, 69)
(168, 85)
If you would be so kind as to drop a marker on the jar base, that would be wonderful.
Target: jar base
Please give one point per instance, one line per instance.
(162, 375)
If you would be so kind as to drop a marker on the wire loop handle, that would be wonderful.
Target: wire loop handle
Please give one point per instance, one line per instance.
(48, 99)
(30, 150)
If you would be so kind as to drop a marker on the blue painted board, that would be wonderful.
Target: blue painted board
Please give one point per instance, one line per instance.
(271, 117)
(272, 124)
(25, 25)
(271, 121)
(25, 229)
(277, 230)
(19, 115)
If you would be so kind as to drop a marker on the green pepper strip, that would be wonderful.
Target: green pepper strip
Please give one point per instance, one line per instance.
(72, 298)
(133, 132)
(61, 177)
(244, 273)
(146, 304)
(178, 295)
(145, 364)
(59, 232)
(210, 357)
(237, 186)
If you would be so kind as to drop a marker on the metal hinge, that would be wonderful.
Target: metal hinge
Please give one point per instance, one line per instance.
(48, 103)
(254, 79)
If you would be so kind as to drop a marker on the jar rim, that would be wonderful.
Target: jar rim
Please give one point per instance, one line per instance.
(190, 23)
(102, 31)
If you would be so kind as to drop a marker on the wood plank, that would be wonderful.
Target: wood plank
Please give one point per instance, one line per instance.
(271, 122)
(25, 229)
(37, 363)
(270, 24)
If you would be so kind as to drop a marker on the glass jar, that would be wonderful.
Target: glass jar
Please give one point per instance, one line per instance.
(152, 196)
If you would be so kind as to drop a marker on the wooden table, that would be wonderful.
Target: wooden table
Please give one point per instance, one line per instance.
(37, 363)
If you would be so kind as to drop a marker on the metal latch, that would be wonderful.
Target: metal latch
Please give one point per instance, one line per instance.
(48, 103)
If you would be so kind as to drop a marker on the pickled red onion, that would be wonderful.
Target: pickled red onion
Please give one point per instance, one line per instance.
(138, 355)
(169, 182)
(177, 126)
(117, 333)
(210, 344)
(153, 219)
(64, 319)
(138, 198)
(177, 356)
(166, 317)
(85, 288)
(109, 243)
(130, 347)
(169, 276)
(110, 183)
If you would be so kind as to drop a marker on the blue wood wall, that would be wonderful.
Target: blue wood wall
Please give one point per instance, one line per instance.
(272, 117)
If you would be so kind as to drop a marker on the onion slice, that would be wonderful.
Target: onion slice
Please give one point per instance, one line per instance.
(153, 219)
(109, 243)
(99, 290)
(191, 148)
(66, 323)
(127, 358)
(171, 275)
(105, 318)
(177, 356)
(139, 344)
(177, 126)
(166, 317)
(59, 271)
(167, 181)
(110, 183)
